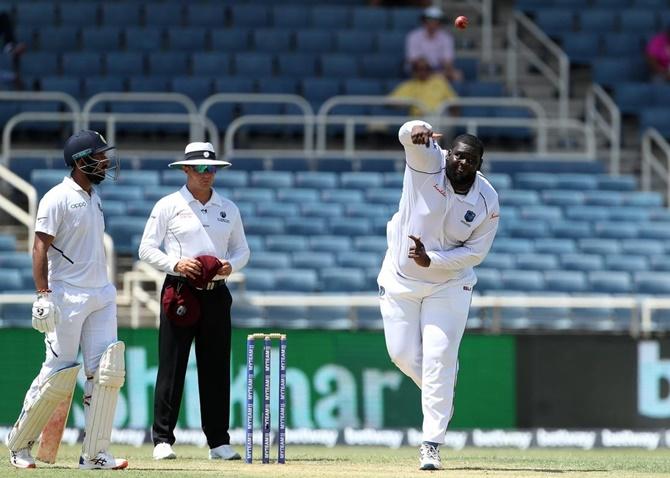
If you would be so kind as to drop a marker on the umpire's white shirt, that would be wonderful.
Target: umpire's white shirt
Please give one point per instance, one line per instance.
(75, 220)
(184, 227)
(457, 230)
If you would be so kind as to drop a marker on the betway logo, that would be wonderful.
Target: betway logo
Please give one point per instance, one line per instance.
(653, 372)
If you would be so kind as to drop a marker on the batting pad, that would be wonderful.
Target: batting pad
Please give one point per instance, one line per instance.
(109, 379)
(53, 391)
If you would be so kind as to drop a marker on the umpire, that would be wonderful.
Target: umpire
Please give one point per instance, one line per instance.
(197, 238)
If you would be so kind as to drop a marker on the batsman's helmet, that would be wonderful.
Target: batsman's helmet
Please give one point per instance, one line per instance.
(83, 144)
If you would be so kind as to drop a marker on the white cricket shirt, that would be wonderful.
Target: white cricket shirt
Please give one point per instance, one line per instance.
(457, 230)
(75, 220)
(184, 227)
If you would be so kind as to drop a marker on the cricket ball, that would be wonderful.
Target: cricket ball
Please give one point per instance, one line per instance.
(461, 22)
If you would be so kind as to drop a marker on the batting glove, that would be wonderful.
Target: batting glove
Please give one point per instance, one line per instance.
(45, 314)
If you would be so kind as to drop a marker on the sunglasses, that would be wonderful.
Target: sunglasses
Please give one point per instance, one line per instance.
(204, 168)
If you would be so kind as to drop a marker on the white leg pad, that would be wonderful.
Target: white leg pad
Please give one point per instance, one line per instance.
(34, 416)
(109, 378)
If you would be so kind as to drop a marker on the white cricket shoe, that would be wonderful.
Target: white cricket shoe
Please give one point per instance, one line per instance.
(102, 461)
(21, 458)
(163, 451)
(223, 452)
(429, 457)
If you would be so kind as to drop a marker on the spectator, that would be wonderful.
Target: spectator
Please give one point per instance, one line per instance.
(658, 55)
(429, 88)
(11, 46)
(432, 42)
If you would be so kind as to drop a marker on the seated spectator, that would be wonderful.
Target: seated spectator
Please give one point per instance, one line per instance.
(11, 46)
(428, 87)
(432, 42)
(658, 55)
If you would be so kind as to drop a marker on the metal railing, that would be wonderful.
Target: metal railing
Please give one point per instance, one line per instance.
(596, 101)
(558, 77)
(653, 141)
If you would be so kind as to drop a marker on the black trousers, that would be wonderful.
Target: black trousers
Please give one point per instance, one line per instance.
(212, 334)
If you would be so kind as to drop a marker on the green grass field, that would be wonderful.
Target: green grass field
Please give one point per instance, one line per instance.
(350, 462)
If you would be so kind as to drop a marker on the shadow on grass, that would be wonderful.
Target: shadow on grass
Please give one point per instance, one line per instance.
(537, 470)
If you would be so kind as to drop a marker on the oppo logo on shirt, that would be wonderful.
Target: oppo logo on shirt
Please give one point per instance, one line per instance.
(78, 205)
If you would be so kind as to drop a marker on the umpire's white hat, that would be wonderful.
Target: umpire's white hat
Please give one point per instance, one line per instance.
(199, 153)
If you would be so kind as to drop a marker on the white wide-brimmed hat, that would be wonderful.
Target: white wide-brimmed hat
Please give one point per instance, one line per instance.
(199, 153)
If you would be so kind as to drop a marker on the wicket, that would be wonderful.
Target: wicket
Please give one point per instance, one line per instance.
(266, 422)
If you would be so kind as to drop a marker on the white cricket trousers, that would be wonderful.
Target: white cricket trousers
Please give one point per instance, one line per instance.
(87, 318)
(423, 327)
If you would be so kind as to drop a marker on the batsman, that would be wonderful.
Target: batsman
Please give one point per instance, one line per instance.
(75, 307)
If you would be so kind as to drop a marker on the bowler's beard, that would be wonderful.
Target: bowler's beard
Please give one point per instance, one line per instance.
(461, 182)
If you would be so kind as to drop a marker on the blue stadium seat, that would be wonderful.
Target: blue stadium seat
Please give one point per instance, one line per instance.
(373, 211)
(168, 63)
(231, 178)
(307, 226)
(499, 260)
(603, 198)
(627, 262)
(581, 262)
(631, 96)
(248, 315)
(546, 213)
(623, 44)
(258, 280)
(10, 280)
(143, 39)
(576, 182)
(120, 192)
(660, 263)
(205, 15)
(329, 318)
(555, 21)
(298, 195)
(359, 180)
(67, 84)
(253, 64)
(101, 39)
(250, 16)
(381, 65)
(611, 71)
(98, 84)
(405, 18)
(120, 14)
(537, 262)
(349, 226)
(7, 243)
(45, 179)
(189, 39)
(389, 196)
(122, 229)
(514, 246)
(581, 47)
(316, 179)
(264, 225)
(140, 209)
(163, 14)
(286, 243)
(290, 16)
(637, 20)
(369, 18)
(615, 230)
(124, 63)
(643, 199)
(565, 281)
(611, 282)
(139, 178)
(78, 14)
(15, 260)
(655, 117)
(313, 260)
(339, 65)
(336, 280)
(342, 196)
(270, 40)
(318, 90)
(550, 245)
(296, 280)
(277, 209)
(522, 280)
(518, 197)
(36, 13)
(648, 247)
(196, 88)
(297, 64)
(230, 39)
(529, 229)
(598, 20)
(333, 17)
(375, 244)
(81, 63)
(389, 41)
(57, 39)
(363, 86)
(270, 260)
(654, 230)
(269, 179)
(354, 41)
(254, 194)
(358, 259)
(211, 64)
(330, 243)
(39, 64)
(568, 229)
(589, 245)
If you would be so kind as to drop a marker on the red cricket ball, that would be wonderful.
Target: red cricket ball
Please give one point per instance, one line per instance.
(461, 22)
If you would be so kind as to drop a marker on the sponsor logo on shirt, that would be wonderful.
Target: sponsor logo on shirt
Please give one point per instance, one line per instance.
(469, 216)
(443, 192)
(222, 217)
(467, 287)
(495, 215)
(382, 291)
(100, 207)
(78, 205)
